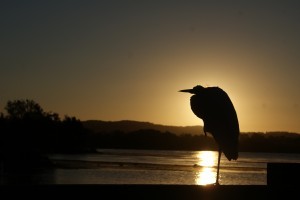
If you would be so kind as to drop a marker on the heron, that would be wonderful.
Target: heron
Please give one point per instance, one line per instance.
(214, 107)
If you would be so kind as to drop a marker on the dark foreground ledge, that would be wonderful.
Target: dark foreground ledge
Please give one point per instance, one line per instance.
(152, 192)
(286, 174)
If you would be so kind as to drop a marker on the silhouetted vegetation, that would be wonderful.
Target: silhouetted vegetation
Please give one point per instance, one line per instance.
(28, 134)
(280, 142)
(150, 139)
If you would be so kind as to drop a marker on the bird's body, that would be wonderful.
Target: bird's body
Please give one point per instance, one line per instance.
(215, 108)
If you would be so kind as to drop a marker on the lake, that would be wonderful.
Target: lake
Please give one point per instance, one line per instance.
(118, 166)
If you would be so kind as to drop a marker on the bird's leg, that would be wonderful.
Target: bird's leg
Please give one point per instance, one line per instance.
(218, 169)
(204, 129)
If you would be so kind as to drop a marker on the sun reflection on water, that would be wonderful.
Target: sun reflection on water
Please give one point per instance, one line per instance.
(206, 175)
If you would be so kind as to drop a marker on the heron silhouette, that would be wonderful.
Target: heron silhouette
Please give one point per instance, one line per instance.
(215, 108)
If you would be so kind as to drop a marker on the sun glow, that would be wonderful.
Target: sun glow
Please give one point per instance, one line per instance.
(206, 175)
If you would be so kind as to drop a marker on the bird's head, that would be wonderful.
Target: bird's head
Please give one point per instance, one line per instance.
(197, 89)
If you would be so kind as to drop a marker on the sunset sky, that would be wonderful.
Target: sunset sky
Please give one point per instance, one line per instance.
(117, 60)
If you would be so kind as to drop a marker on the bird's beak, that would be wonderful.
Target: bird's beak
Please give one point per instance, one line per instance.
(186, 90)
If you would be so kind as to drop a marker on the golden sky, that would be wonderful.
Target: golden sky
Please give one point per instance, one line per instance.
(116, 60)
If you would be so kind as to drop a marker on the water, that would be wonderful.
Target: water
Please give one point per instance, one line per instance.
(111, 166)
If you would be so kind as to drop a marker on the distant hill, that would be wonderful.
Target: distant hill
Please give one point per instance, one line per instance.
(129, 126)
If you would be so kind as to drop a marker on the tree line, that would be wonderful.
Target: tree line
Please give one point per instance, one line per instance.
(276, 142)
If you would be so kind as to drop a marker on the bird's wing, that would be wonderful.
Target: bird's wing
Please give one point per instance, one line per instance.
(220, 119)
